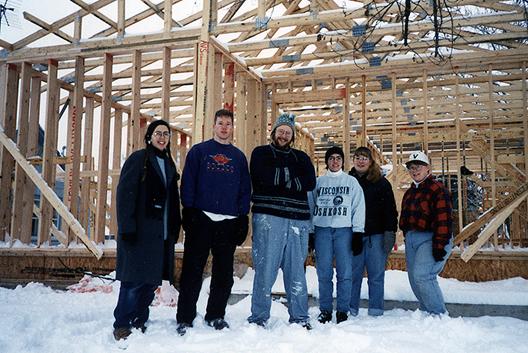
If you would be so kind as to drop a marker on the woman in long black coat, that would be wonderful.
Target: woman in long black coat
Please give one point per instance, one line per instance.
(148, 219)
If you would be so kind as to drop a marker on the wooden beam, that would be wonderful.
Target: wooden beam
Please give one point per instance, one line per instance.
(50, 150)
(48, 194)
(491, 228)
(104, 148)
(21, 183)
(8, 112)
(136, 103)
(84, 211)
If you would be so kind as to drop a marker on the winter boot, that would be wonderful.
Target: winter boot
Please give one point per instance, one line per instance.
(121, 333)
(218, 324)
(182, 328)
(325, 316)
(341, 316)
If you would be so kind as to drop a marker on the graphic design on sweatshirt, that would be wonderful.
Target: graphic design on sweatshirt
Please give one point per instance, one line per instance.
(330, 201)
(220, 163)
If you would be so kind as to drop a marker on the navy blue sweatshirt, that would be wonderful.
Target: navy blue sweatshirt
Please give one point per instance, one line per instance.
(216, 179)
(281, 180)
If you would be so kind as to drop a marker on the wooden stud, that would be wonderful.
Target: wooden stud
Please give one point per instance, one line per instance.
(229, 86)
(167, 18)
(8, 104)
(346, 125)
(116, 164)
(104, 144)
(20, 187)
(85, 215)
(120, 18)
(241, 110)
(136, 102)
(50, 150)
(459, 161)
(166, 81)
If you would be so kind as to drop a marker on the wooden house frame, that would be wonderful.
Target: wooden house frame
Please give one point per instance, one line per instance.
(451, 81)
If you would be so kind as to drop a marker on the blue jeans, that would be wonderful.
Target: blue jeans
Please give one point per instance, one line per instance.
(373, 258)
(423, 270)
(333, 243)
(132, 309)
(279, 243)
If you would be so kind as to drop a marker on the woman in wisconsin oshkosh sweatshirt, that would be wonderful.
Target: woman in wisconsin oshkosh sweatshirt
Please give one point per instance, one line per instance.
(338, 215)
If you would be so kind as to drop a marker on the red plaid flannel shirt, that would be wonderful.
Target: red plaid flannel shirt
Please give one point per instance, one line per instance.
(428, 208)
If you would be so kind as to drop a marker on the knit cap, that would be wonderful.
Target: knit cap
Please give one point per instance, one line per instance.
(285, 119)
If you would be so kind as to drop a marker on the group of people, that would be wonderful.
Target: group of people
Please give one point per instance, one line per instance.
(350, 218)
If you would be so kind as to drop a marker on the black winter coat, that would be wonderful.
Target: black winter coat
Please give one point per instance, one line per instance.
(142, 253)
(381, 213)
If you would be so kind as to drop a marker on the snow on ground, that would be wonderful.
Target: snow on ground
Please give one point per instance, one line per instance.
(36, 318)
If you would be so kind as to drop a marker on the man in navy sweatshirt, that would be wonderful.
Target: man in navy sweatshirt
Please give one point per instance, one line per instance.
(215, 194)
(281, 178)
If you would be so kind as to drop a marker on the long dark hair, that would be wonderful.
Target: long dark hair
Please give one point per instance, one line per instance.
(166, 153)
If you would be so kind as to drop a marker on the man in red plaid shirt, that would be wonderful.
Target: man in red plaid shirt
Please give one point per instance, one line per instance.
(427, 226)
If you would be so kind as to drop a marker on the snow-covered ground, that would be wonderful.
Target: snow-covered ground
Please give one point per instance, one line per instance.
(36, 318)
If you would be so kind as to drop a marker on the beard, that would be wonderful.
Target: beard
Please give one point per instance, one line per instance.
(281, 143)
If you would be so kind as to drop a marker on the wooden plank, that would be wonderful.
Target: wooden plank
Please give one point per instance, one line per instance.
(121, 18)
(491, 227)
(136, 103)
(229, 86)
(8, 103)
(346, 125)
(459, 162)
(21, 183)
(167, 18)
(363, 136)
(57, 24)
(475, 226)
(241, 110)
(48, 194)
(49, 150)
(49, 28)
(116, 164)
(84, 211)
(262, 99)
(32, 150)
(251, 115)
(104, 146)
(166, 82)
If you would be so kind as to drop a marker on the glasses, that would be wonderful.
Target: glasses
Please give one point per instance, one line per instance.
(159, 134)
(361, 158)
(415, 167)
(286, 133)
(335, 158)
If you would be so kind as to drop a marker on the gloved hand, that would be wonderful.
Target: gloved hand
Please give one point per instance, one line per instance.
(439, 254)
(357, 243)
(130, 237)
(241, 231)
(389, 238)
(189, 217)
(311, 242)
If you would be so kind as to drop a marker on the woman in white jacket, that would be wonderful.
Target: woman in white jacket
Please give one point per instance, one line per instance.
(338, 216)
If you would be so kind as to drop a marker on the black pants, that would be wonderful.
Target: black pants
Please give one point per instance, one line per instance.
(205, 236)
(132, 309)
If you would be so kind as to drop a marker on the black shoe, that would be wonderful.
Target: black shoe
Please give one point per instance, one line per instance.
(341, 316)
(182, 328)
(325, 316)
(121, 333)
(306, 325)
(218, 324)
